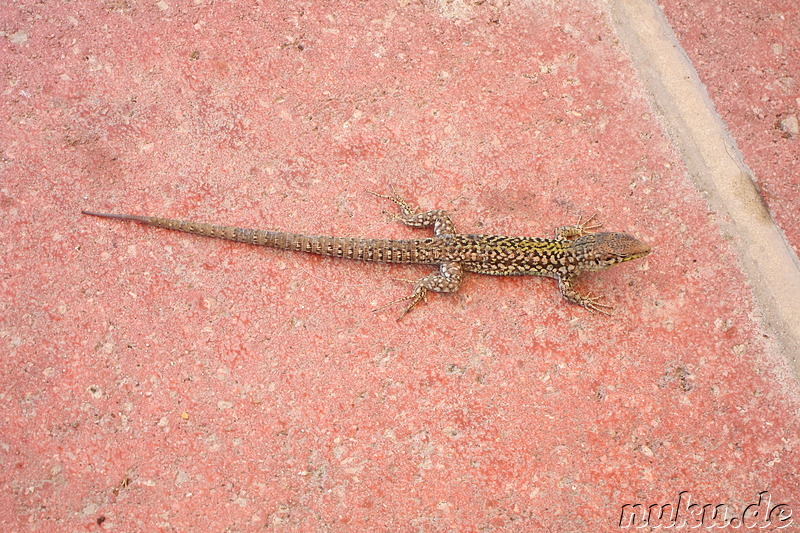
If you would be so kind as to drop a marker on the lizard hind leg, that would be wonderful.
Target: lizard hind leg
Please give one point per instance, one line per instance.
(406, 208)
(447, 280)
(419, 294)
(438, 218)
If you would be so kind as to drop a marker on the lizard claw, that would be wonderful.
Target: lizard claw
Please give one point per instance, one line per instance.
(590, 301)
(420, 294)
(405, 280)
(580, 229)
(405, 207)
(588, 226)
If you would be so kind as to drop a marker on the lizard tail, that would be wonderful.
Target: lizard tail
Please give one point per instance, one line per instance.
(377, 250)
(136, 218)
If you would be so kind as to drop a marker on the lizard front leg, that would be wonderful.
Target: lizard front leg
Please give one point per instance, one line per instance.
(589, 301)
(580, 229)
(439, 219)
(447, 280)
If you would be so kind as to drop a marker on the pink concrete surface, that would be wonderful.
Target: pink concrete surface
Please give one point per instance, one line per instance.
(154, 381)
(747, 54)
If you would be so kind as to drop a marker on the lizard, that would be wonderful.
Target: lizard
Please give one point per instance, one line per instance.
(572, 251)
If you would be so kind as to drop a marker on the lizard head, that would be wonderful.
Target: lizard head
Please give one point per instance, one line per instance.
(602, 250)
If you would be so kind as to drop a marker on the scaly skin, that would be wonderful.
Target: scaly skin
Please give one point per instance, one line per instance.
(572, 251)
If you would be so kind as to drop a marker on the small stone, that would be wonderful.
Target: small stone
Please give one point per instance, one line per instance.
(18, 37)
(181, 477)
(789, 125)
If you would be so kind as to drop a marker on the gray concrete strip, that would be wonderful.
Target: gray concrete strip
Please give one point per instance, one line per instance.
(716, 167)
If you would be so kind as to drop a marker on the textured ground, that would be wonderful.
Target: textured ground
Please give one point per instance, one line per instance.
(154, 381)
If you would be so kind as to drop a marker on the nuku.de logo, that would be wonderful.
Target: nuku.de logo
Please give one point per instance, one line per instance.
(685, 514)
